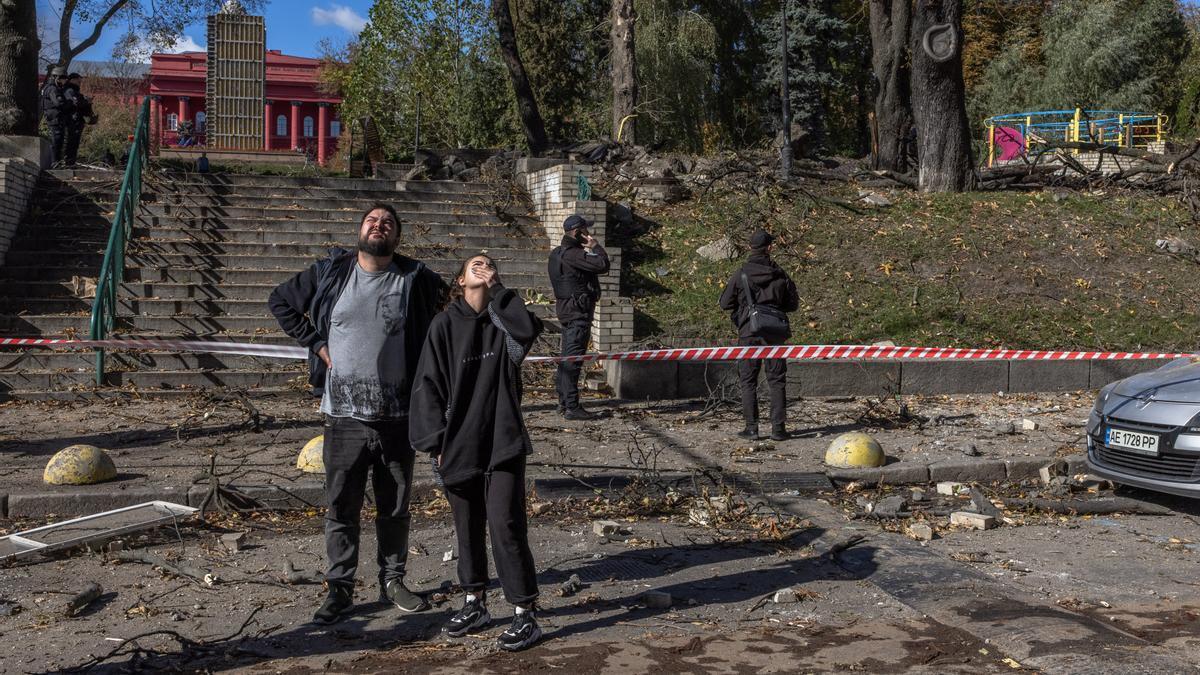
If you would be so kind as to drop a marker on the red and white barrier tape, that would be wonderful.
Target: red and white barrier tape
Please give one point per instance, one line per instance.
(789, 352)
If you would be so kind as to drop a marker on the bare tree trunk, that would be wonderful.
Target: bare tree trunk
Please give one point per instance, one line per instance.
(18, 68)
(66, 53)
(939, 100)
(624, 72)
(890, 21)
(531, 119)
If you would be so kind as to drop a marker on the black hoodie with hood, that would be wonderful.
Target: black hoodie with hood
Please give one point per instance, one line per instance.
(466, 400)
(769, 285)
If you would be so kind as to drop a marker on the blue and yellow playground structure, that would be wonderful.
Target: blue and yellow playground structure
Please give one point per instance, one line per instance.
(1025, 135)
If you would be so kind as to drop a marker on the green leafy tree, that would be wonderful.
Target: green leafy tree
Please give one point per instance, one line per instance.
(676, 56)
(1093, 54)
(439, 55)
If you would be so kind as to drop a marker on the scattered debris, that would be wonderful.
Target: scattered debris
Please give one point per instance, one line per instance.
(177, 570)
(891, 507)
(233, 541)
(1048, 473)
(98, 527)
(540, 508)
(975, 521)
(984, 505)
(1029, 425)
(608, 528)
(921, 531)
(9, 608)
(950, 488)
(82, 599)
(917, 495)
(449, 556)
(294, 576)
(721, 249)
(657, 599)
(785, 596)
(874, 199)
(571, 586)
(969, 450)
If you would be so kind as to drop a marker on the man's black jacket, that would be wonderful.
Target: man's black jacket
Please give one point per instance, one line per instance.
(769, 285)
(575, 276)
(303, 306)
(56, 108)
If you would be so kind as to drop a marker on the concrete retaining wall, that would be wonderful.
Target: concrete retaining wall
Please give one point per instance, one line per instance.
(554, 191)
(639, 380)
(21, 160)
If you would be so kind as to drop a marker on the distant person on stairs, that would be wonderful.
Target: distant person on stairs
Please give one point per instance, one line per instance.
(364, 316)
(575, 267)
(82, 115)
(57, 110)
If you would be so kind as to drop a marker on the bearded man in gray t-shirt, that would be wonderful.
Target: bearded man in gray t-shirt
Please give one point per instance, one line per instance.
(364, 315)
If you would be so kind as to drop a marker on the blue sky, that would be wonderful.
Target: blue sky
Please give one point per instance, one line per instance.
(293, 26)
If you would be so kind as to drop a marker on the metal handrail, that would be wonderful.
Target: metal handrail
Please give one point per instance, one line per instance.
(112, 270)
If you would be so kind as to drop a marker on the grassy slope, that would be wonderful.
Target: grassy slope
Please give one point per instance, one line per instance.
(987, 269)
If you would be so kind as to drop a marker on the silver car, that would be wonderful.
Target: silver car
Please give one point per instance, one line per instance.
(1145, 430)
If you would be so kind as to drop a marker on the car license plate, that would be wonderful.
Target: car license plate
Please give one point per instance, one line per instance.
(1143, 444)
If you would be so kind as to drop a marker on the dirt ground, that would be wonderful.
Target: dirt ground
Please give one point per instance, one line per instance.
(168, 442)
(721, 561)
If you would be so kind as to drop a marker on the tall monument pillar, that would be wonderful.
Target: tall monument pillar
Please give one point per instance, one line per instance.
(235, 87)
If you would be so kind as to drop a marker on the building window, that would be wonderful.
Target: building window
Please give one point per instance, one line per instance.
(201, 121)
(335, 128)
(308, 126)
(281, 125)
(172, 122)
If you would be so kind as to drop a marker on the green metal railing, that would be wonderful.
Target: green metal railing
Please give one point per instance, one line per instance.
(112, 270)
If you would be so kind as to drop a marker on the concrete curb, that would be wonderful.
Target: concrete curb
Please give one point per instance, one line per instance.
(669, 380)
(962, 471)
(311, 493)
(96, 498)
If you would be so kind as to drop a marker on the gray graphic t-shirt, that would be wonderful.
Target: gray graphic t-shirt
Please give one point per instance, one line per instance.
(366, 346)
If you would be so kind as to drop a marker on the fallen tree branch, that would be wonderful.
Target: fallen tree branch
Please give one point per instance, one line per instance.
(82, 599)
(201, 577)
(185, 642)
(293, 576)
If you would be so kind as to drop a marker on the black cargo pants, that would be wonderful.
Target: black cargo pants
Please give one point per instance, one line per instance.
(776, 381)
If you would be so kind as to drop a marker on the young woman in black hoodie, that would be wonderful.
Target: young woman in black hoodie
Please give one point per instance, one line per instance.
(466, 412)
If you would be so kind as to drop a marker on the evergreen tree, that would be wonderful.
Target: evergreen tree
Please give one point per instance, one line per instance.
(815, 35)
(441, 53)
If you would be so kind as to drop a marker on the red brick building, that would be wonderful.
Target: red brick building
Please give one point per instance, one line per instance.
(298, 117)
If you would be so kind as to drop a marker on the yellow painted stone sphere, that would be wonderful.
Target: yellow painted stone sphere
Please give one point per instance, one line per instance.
(312, 459)
(79, 465)
(854, 450)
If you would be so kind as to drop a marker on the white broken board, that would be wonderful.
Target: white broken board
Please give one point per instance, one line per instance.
(96, 527)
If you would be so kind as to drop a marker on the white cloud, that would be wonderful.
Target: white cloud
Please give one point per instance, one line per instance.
(141, 51)
(185, 44)
(339, 15)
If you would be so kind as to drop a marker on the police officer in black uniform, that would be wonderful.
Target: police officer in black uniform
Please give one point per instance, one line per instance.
(82, 114)
(575, 268)
(57, 110)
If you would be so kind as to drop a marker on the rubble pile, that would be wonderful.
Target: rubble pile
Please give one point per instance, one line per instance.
(923, 514)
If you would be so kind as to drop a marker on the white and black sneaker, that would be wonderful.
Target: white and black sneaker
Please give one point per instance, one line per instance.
(472, 617)
(523, 632)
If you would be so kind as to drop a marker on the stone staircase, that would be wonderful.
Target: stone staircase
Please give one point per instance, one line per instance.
(206, 251)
